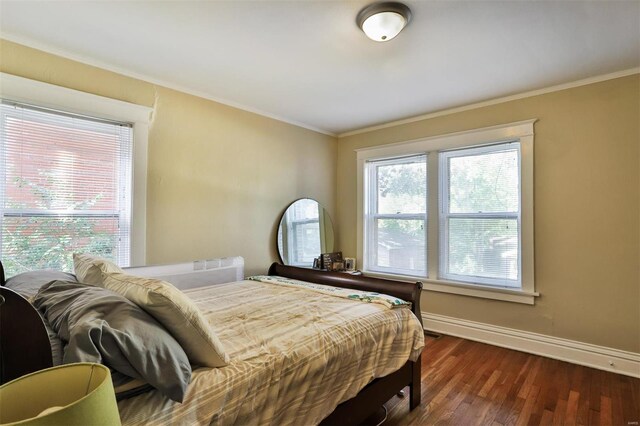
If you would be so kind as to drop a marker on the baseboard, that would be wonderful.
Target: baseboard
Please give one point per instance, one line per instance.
(600, 357)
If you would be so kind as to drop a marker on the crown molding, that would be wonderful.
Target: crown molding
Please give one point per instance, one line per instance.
(159, 82)
(198, 93)
(564, 86)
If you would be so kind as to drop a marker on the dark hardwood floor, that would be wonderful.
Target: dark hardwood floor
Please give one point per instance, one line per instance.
(471, 383)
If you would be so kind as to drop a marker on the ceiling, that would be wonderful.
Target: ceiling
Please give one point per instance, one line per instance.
(306, 62)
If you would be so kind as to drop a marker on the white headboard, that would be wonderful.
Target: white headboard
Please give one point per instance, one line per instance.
(198, 273)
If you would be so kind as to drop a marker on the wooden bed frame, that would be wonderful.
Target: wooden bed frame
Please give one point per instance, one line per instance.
(20, 355)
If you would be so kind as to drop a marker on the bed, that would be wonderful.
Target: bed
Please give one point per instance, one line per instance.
(275, 333)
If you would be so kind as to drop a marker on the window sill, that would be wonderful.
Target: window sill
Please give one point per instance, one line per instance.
(473, 290)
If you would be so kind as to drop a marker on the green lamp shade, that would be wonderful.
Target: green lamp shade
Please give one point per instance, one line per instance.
(72, 394)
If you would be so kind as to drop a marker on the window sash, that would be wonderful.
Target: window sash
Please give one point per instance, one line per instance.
(446, 215)
(372, 217)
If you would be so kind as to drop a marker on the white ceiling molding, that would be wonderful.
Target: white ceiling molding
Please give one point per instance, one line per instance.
(496, 101)
(146, 78)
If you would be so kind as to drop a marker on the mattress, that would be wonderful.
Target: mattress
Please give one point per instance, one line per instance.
(295, 355)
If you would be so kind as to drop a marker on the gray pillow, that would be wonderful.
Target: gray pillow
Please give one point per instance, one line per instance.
(27, 284)
(102, 326)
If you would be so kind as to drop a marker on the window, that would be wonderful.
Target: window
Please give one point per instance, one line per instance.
(72, 176)
(66, 187)
(454, 211)
(396, 219)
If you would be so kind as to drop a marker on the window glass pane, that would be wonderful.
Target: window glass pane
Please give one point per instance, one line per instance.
(486, 182)
(402, 188)
(30, 243)
(483, 248)
(401, 245)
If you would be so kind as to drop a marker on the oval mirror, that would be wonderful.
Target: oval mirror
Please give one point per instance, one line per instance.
(305, 232)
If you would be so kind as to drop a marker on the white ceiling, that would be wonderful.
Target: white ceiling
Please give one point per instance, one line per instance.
(307, 63)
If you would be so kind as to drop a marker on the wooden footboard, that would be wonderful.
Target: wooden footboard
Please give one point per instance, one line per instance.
(376, 393)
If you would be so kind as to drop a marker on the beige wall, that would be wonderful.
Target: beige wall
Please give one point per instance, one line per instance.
(218, 178)
(587, 215)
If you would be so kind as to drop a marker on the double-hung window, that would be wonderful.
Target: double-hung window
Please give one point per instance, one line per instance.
(455, 211)
(67, 176)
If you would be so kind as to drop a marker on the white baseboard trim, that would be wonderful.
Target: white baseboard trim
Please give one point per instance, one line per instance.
(600, 357)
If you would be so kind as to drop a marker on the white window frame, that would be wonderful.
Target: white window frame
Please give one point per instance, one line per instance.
(522, 132)
(45, 95)
(371, 214)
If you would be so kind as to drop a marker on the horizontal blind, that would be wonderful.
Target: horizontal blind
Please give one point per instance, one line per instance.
(65, 186)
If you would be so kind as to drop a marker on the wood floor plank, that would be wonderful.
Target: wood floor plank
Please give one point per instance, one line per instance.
(470, 383)
(572, 409)
(514, 412)
(486, 388)
(582, 417)
(497, 397)
(629, 400)
(617, 410)
(530, 377)
(605, 411)
(594, 418)
(595, 390)
(547, 418)
(450, 408)
(530, 400)
(459, 416)
(548, 391)
(559, 413)
(511, 404)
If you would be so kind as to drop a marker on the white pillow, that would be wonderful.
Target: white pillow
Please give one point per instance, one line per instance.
(89, 268)
(176, 312)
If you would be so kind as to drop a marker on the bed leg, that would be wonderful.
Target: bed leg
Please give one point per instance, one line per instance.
(415, 388)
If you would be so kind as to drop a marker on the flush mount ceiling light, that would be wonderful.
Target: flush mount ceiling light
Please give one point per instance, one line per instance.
(383, 21)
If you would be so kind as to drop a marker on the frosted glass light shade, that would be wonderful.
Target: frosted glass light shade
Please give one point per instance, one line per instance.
(383, 26)
(383, 21)
(72, 394)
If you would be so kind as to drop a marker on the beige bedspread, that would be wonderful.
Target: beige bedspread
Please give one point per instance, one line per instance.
(295, 355)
